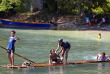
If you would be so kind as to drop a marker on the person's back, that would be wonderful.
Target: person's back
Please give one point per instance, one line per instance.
(65, 44)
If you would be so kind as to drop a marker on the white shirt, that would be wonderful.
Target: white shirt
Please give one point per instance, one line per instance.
(100, 58)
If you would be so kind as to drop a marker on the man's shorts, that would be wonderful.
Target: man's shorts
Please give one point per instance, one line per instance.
(10, 51)
(68, 46)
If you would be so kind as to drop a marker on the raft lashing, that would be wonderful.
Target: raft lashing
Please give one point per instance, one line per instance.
(47, 65)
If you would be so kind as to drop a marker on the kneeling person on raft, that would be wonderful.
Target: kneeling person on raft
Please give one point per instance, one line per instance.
(53, 57)
(65, 47)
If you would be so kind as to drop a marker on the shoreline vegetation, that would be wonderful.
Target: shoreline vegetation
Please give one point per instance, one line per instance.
(67, 14)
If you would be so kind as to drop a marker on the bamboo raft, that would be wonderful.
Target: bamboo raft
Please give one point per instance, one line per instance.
(36, 65)
(47, 65)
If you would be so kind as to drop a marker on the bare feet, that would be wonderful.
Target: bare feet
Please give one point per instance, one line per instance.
(65, 62)
(12, 66)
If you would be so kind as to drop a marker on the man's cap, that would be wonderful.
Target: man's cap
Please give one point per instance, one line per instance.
(61, 40)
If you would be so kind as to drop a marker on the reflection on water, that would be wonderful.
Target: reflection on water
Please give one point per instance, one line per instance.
(93, 68)
(56, 69)
(22, 71)
(98, 42)
(101, 66)
(11, 71)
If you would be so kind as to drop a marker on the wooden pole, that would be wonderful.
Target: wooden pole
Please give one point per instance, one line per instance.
(19, 55)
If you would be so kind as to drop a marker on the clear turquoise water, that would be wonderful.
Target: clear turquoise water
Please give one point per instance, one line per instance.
(36, 44)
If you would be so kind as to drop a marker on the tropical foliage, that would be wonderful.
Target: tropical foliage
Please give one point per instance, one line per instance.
(6, 5)
(75, 6)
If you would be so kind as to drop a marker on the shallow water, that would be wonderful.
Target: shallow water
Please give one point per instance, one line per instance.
(36, 44)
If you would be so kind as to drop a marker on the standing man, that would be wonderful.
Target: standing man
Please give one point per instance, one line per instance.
(11, 47)
(65, 47)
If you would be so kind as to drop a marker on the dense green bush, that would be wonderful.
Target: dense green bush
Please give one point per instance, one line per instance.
(74, 6)
(13, 5)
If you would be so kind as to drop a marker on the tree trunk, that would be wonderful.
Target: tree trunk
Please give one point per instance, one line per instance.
(36, 4)
(52, 5)
(40, 4)
(31, 8)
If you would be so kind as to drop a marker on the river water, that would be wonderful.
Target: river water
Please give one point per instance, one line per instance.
(36, 45)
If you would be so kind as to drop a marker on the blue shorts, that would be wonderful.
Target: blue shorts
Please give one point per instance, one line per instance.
(10, 51)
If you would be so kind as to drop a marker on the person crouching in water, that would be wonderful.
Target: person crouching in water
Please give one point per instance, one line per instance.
(65, 47)
(99, 36)
(11, 47)
(53, 57)
(102, 57)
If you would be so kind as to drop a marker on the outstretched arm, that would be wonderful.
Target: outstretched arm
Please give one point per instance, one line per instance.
(50, 59)
(108, 58)
(17, 38)
(58, 55)
(97, 57)
(58, 48)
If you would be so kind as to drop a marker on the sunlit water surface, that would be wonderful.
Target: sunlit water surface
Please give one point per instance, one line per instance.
(36, 45)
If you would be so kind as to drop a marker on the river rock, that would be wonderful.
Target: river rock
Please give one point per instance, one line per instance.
(66, 26)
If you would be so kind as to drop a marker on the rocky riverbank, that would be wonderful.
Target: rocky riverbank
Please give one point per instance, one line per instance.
(73, 26)
(63, 22)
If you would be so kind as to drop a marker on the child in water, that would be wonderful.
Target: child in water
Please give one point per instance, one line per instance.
(53, 57)
(102, 57)
(99, 36)
(11, 47)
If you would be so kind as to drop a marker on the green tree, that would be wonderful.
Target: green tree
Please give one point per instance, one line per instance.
(6, 5)
(79, 6)
(99, 6)
(52, 5)
(34, 4)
